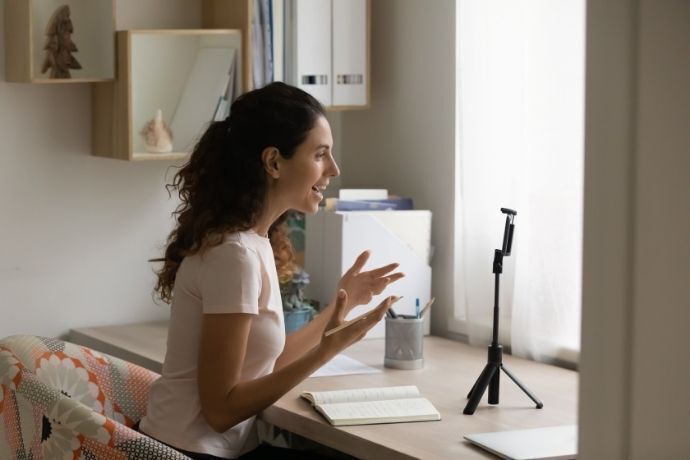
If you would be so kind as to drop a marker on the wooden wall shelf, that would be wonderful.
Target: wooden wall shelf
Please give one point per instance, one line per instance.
(183, 73)
(93, 34)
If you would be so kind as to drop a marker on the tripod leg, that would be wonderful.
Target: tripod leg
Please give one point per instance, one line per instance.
(494, 385)
(522, 387)
(469, 395)
(480, 387)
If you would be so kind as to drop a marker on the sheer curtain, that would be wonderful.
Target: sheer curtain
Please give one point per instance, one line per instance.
(520, 145)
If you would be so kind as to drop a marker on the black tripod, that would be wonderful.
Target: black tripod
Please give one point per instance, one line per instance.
(491, 374)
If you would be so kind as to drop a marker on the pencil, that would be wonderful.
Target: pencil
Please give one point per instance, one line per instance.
(354, 320)
(427, 306)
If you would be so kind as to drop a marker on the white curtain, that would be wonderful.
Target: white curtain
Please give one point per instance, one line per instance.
(520, 145)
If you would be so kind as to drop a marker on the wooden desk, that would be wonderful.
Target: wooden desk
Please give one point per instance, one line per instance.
(449, 372)
(143, 344)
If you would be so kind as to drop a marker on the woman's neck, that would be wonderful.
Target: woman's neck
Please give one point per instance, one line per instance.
(265, 220)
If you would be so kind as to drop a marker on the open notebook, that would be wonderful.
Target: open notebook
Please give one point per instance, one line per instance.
(553, 442)
(366, 406)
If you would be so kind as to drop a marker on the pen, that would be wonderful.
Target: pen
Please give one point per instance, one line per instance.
(354, 320)
(416, 308)
(427, 306)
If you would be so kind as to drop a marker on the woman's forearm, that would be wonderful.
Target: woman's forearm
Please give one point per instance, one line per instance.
(304, 339)
(243, 399)
(251, 397)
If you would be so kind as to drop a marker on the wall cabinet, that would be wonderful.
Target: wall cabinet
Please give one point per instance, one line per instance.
(59, 41)
(171, 84)
(326, 45)
(327, 50)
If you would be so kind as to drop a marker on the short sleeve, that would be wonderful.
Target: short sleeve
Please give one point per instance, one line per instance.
(230, 280)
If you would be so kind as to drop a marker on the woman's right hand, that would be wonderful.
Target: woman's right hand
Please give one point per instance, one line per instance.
(336, 342)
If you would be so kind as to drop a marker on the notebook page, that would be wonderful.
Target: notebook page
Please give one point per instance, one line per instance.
(399, 408)
(363, 394)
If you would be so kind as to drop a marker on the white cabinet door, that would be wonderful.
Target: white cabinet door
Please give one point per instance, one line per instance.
(311, 48)
(350, 52)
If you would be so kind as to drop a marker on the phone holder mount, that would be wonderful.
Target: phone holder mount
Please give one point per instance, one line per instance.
(490, 376)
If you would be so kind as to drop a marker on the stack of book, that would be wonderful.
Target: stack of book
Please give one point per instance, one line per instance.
(368, 200)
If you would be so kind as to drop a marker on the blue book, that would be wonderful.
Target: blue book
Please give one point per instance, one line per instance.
(389, 204)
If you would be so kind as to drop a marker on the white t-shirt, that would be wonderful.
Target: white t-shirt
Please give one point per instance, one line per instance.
(238, 276)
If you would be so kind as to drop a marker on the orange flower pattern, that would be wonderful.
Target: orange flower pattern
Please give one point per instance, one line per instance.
(60, 400)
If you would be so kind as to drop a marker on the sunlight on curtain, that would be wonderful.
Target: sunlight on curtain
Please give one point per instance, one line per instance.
(520, 145)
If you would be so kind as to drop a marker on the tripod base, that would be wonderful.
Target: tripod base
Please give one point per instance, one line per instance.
(490, 377)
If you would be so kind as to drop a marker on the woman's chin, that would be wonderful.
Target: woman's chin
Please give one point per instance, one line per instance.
(311, 208)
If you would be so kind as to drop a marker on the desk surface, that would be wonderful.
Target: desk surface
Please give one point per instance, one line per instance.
(449, 372)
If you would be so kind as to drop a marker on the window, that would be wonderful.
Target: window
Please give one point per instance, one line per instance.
(520, 143)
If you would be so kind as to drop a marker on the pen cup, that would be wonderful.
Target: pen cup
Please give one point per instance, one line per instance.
(404, 348)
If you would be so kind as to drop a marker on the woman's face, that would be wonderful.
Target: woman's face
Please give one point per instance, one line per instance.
(305, 176)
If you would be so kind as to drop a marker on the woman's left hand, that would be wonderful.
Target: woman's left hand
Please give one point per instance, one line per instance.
(362, 286)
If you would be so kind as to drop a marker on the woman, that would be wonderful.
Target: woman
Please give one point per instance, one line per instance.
(228, 357)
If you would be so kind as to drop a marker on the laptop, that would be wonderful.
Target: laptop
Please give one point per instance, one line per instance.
(553, 442)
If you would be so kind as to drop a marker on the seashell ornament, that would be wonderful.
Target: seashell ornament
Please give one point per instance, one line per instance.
(157, 135)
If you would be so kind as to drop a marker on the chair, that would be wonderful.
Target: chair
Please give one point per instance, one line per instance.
(61, 400)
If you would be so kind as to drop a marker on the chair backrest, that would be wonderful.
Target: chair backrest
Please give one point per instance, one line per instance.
(61, 400)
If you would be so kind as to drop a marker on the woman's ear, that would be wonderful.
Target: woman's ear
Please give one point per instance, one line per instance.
(270, 157)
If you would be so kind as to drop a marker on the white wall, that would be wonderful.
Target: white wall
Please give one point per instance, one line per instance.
(635, 371)
(405, 142)
(77, 230)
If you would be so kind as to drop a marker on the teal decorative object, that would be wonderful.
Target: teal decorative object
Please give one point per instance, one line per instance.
(296, 310)
(295, 319)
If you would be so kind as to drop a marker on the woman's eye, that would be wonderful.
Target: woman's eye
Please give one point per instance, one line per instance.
(320, 155)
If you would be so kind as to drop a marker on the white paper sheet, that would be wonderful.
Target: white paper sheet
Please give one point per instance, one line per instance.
(344, 365)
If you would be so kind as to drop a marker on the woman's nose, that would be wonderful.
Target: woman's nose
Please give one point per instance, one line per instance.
(334, 170)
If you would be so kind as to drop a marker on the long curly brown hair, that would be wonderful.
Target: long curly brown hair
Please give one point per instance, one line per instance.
(222, 187)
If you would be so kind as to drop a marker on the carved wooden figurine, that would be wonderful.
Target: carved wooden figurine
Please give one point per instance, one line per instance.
(59, 45)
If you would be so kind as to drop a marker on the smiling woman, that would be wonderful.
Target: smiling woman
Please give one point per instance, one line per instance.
(228, 357)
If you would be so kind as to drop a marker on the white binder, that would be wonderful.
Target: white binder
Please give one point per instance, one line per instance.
(335, 239)
(349, 52)
(308, 37)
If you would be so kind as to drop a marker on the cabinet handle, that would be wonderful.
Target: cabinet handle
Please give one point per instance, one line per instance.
(314, 79)
(350, 79)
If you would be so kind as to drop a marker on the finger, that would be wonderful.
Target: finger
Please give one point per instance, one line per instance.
(372, 318)
(382, 283)
(380, 311)
(340, 303)
(359, 262)
(381, 271)
(377, 314)
(395, 277)
(388, 303)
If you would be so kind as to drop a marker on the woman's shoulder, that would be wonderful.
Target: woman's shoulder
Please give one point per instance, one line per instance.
(247, 239)
(234, 244)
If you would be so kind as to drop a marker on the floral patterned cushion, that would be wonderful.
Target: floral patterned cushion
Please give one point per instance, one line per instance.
(63, 401)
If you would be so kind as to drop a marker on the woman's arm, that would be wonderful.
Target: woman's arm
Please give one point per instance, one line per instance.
(360, 287)
(305, 338)
(225, 400)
